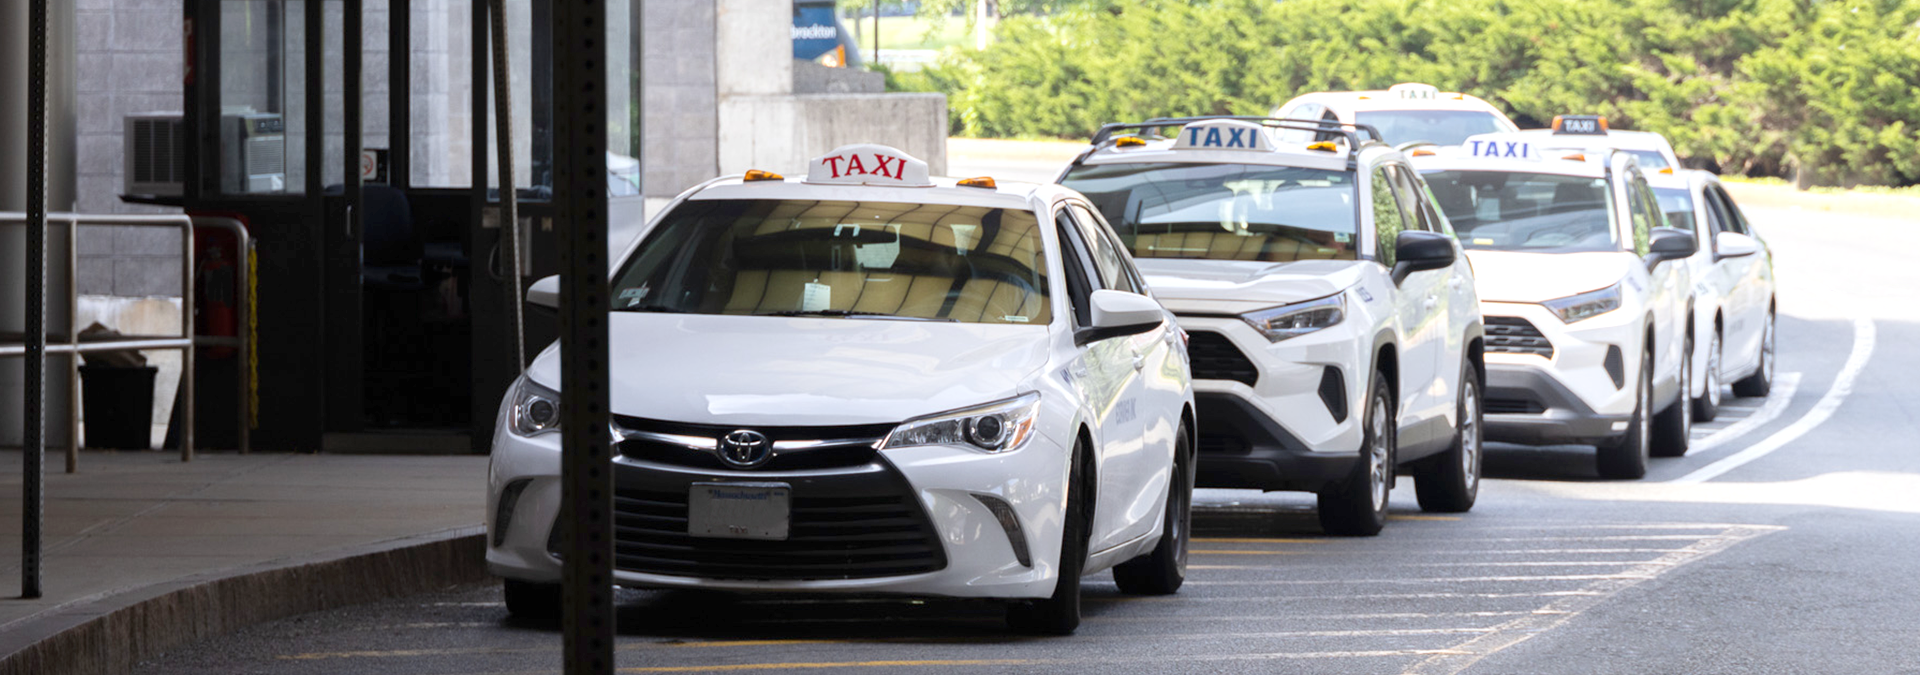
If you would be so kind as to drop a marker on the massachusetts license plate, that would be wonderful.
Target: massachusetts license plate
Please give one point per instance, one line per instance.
(738, 510)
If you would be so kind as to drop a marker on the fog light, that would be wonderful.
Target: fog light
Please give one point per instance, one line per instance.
(503, 513)
(1010, 523)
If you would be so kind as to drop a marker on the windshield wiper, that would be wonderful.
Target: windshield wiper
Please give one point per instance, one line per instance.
(661, 309)
(850, 313)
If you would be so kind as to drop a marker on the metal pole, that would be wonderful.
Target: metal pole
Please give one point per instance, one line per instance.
(586, 469)
(509, 199)
(34, 419)
(876, 32)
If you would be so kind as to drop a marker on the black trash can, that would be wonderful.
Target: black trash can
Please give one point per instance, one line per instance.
(117, 406)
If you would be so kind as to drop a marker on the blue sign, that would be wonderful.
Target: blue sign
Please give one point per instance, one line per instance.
(815, 32)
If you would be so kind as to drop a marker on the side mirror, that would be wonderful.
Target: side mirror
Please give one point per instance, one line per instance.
(1119, 314)
(545, 293)
(1421, 251)
(1670, 244)
(1734, 245)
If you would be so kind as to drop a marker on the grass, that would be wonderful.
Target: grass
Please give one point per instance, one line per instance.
(1907, 191)
(913, 32)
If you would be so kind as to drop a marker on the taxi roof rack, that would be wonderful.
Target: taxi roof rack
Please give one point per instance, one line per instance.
(1349, 131)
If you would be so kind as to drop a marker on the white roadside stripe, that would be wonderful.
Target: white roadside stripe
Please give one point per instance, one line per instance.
(1777, 401)
(1863, 339)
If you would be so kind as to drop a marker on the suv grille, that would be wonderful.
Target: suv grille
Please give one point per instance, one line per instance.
(1215, 358)
(1513, 406)
(843, 445)
(1514, 335)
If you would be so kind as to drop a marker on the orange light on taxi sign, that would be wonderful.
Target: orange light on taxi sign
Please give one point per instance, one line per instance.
(1324, 146)
(1591, 125)
(1576, 157)
(1423, 152)
(980, 182)
(1129, 142)
(758, 175)
(1667, 170)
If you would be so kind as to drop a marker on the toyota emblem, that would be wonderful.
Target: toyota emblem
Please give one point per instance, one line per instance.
(745, 448)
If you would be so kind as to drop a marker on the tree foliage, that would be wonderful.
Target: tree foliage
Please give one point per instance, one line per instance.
(1828, 90)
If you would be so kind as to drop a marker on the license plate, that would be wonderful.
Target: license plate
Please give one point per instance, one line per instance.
(738, 510)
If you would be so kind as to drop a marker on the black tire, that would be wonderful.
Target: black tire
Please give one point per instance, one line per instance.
(1673, 427)
(1059, 614)
(1707, 406)
(535, 602)
(1625, 457)
(1760, 383)
(1450, 482)
(1357, 507)
(1162, 570)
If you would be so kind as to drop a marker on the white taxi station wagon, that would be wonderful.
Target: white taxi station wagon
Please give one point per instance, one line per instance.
(1586, 295)
(871, 381)
(1336, 336)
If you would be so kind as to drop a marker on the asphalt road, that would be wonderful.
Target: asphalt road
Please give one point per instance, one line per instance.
(1785, 543)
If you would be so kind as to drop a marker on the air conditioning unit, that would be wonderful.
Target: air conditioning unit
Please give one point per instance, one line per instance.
(253, 153)
(155, 154)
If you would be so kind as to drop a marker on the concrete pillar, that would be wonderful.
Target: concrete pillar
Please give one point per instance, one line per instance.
(61, 140)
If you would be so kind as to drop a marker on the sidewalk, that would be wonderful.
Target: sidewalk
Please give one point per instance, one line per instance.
(132, 523)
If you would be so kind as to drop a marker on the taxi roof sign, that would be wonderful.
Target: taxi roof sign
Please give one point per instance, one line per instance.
(1414, 90)
(1223, 134)
(1582, 125)
(868, 164)
(1495, 147)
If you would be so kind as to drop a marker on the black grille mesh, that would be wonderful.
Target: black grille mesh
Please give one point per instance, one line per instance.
(1215, 358)
(1514, 335)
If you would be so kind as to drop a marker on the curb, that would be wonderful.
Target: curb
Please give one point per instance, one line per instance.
(114, 633)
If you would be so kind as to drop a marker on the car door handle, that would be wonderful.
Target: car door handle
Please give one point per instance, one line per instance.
(1139, 362)
(1432, 301)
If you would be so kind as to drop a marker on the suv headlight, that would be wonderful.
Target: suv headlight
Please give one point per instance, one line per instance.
(1001, 426)
(536, 409)
(1585, 305)
(1300, 318)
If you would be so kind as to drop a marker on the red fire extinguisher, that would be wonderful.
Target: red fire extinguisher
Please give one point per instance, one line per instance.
(216, 314)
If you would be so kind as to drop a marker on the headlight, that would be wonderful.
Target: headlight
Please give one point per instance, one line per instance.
(1585, 305)
(1297, 319)
(1001, 426)
(536, 409)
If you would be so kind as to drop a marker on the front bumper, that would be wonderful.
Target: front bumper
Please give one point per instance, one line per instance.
(1581, 393)
(921, 529)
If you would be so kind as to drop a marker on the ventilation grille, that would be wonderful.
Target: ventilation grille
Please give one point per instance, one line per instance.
(1215, 358)
(158, 148)
(1514, 335)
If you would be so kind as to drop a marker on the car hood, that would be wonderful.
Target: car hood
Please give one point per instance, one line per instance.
(1513, 276)
(1247, 284)
(753, 370)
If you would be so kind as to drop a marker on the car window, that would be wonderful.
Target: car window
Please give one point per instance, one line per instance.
(1252, 212)
(1519, 211)
(1440, 127)
(1736, 221)
(1644, 212)
(1074, 258)
(1099, 229)
(1677, 203)
(1409, 197)
(972, 264)
(1108, 262)
(1389, 220)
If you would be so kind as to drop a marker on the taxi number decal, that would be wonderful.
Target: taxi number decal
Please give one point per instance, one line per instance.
(1514, 149)
(857, 168)
(1234, 138)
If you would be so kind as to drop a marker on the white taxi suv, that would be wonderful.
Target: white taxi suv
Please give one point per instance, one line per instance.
(1733, 288)
(1405, 113)
(1581, 132)
(1335, 334)
(1585, 294)
(869, 381)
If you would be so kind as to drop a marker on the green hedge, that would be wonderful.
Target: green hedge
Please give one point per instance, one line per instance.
(1826, 91)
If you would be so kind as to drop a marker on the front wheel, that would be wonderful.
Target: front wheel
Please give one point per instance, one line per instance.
(1059, 614)
(1707, 406)
(1357, 507)
(1161, 571)
(1450, 482)
(1760, 383)
(1625, 457)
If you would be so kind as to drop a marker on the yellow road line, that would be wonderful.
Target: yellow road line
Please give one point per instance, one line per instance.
(1398, 517)
(814, 665)
(1233, 552)
(731, 643)
(1242, 540)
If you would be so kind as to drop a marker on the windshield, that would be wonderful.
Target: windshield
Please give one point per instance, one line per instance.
(1534, 212)
(1650, 160)
(1440, 127)
(800, 257)
(1224, 211)
(1678, 203)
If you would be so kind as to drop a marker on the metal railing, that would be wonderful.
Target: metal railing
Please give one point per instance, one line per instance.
(71, 344)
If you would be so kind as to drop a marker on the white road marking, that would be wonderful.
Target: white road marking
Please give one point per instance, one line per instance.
(1777, 401)
(1464, 655)
(1863, 340)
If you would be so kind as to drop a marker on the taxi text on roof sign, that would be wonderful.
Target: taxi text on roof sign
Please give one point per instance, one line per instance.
(1223, 135)
(868, 164)
(1589, 125)
(1414, 90)
(1501, 149)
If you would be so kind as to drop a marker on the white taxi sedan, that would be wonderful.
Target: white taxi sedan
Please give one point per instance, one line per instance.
(871, 381)
(1733, 289)
(1409, 112)
(1585, 292)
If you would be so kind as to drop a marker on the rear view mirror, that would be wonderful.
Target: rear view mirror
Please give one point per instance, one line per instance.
(1421, 251)
(1119, 314)
(1670, 244)
(1734, 245)
(545, 293)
